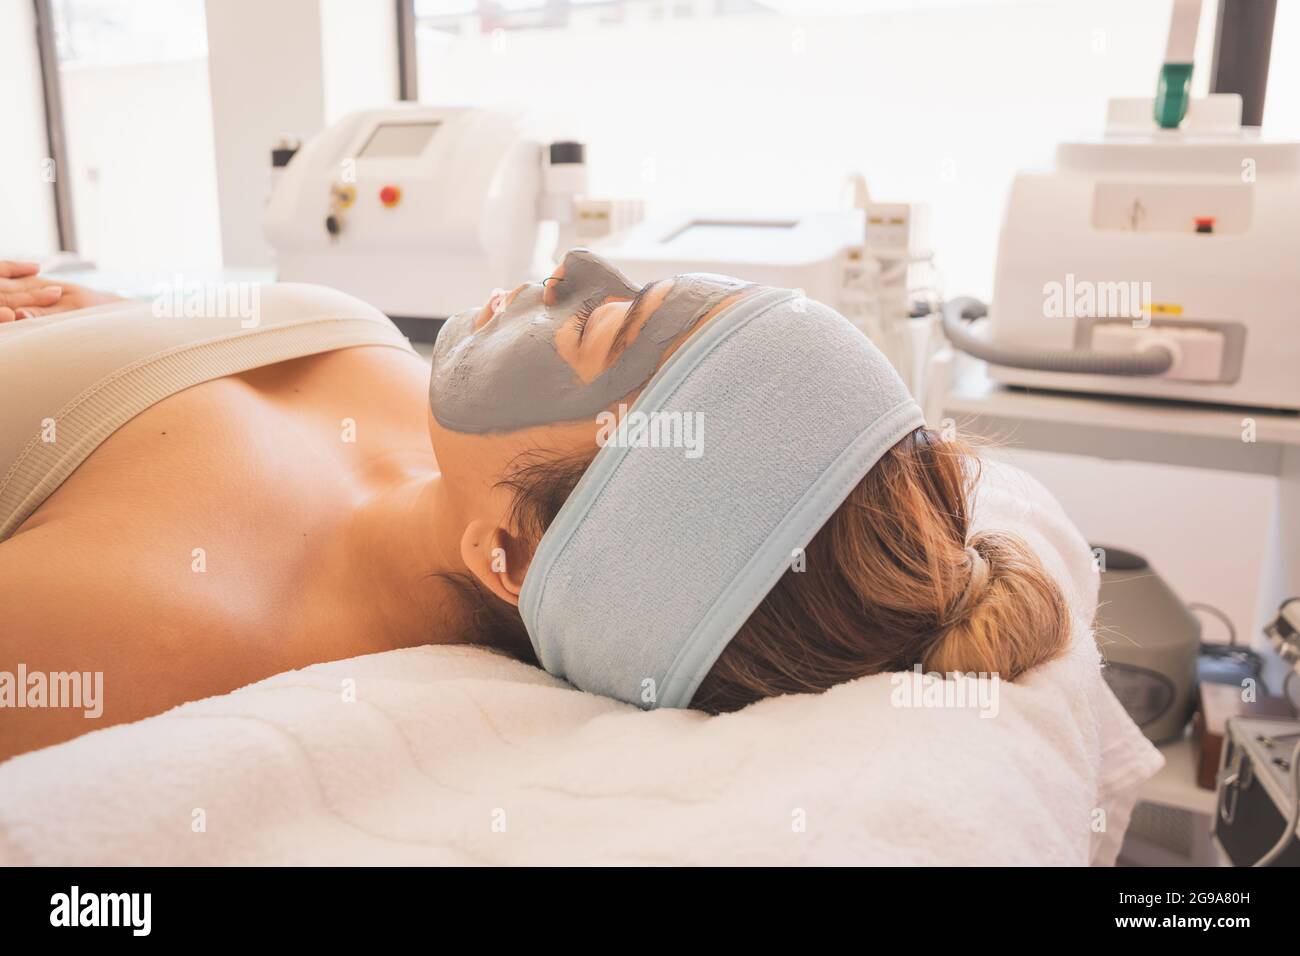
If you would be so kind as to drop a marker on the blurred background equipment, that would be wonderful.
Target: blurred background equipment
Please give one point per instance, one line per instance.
(869, 260)
(423, 210)
(1170, 270)
(1259, 793)
(1150, 640)
(1170, 267)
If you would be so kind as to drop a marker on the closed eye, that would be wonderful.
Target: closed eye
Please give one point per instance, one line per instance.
(629, 320)
(583, 315)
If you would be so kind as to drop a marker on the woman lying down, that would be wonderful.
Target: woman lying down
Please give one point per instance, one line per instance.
(699, 493)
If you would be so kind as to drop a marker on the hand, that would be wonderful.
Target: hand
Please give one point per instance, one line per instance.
(22, 292)
(25, 295)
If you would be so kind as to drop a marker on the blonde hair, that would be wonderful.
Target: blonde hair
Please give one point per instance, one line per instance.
(893, 579)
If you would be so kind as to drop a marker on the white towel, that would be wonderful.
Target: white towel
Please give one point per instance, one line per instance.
(460, 755)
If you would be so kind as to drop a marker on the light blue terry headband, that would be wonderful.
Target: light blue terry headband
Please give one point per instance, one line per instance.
(658, 558)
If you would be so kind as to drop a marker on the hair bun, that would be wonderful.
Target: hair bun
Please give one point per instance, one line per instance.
(1005, 629)
(979, 570)
(978, 580)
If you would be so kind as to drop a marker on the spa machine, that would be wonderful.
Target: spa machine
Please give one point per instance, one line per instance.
(1159, 260)
(866, 259)
(422, 211)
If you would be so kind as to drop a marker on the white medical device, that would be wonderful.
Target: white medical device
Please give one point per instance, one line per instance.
(857, 259)
(809, 251)
(1160, 260)
(1172, 256)
(420, 211)
(423, 210)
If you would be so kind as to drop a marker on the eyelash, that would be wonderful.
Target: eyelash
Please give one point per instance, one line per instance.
(584, 313)
(589, 306)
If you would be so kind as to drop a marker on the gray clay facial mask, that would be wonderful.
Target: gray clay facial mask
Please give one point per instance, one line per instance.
(509, 375)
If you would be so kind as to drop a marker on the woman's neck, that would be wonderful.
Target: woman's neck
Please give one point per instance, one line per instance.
(400, 550)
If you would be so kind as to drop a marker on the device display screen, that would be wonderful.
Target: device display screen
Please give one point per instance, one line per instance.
(737, 238)
(393, 140)
(726, 230)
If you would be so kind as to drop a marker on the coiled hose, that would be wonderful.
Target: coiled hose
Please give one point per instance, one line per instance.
(1152, 361)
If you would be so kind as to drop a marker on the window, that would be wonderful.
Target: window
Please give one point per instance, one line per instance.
(1281, 106)
(28, 213)
(711, 106)
(138, 123)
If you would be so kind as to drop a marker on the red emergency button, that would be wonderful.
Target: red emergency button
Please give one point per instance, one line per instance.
(390, 196)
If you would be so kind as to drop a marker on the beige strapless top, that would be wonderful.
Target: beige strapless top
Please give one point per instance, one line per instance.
(69, 381)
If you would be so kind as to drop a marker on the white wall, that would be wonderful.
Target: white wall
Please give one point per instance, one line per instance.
(27, 223)
(264, 63)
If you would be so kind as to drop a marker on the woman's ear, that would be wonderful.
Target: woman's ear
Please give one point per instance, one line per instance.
(496, 558)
